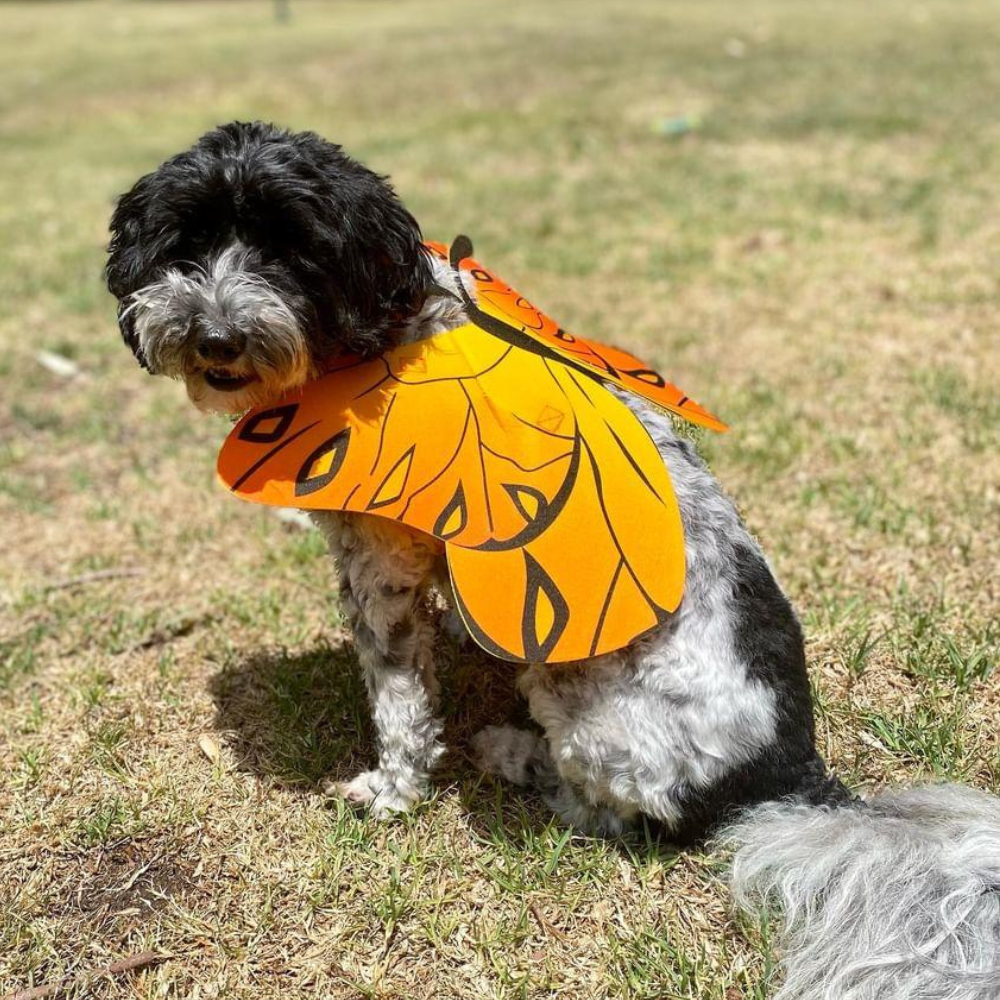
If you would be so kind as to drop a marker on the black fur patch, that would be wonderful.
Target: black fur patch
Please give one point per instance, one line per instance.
(769, 641)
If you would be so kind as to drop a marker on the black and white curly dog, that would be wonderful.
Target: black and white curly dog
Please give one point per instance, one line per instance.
(243, 264)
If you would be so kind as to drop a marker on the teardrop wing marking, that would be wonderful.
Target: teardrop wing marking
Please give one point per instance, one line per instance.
(322, 465)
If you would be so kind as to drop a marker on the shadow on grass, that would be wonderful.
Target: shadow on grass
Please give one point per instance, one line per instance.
(295, 717)
(301, 718)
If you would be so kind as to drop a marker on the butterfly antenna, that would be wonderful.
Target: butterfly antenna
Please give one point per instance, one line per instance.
(461, 247)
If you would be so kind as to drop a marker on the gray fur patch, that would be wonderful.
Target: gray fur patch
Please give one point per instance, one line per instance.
(385, 571)
(224, 295)
(510, 753)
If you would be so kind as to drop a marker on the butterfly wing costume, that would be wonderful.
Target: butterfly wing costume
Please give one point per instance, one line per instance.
(500, 438)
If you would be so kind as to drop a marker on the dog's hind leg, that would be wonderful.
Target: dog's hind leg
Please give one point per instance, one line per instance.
(385, 571)
(522, 757)
(519, 756)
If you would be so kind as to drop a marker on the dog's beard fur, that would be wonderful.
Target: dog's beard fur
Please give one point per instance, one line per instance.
(225, 294)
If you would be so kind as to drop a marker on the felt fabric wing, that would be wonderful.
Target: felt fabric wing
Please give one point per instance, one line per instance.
(559, 522)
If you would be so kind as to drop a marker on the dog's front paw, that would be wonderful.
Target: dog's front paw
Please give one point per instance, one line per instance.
(385, 794)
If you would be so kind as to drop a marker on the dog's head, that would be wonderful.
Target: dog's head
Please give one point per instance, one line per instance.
(245, 263)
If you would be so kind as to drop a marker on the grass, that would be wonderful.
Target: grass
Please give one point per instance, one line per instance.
(817, 262)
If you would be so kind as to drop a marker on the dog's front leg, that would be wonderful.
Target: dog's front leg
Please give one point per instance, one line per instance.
(385, 570)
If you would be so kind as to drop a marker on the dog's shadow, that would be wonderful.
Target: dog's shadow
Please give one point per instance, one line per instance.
(301, 719)
(293, 717)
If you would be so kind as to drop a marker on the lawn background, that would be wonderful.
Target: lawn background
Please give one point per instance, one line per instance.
(817, 261)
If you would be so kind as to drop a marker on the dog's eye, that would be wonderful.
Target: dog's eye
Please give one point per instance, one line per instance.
(195, 249)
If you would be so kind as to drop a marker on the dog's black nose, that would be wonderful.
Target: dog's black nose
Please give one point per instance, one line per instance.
(220, 346)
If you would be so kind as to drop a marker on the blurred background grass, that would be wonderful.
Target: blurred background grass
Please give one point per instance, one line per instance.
(815, 256)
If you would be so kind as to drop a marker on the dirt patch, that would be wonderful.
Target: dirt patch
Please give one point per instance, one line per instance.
(129, 880)
(119, 886)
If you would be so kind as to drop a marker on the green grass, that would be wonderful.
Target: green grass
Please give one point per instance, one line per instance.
(817, 263)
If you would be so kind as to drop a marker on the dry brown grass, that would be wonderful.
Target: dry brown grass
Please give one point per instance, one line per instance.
(818, 263)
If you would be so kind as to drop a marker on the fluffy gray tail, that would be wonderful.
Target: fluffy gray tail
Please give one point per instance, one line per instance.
(896, 898)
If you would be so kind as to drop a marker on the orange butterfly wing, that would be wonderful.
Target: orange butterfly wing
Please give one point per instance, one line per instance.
(498, 300)
(609, 565)
(559, 521)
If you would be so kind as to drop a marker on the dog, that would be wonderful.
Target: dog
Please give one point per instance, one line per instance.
(245, 265)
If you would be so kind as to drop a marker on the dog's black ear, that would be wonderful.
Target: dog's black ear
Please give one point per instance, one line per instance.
(392, 277)
(412, 277)
(387, 273)
(358, 230)
(128, 258)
